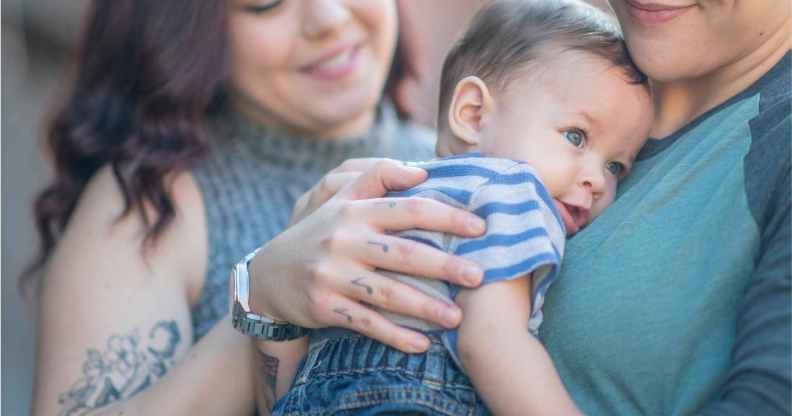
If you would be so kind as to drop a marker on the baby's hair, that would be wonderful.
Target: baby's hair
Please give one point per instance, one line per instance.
(506, 35)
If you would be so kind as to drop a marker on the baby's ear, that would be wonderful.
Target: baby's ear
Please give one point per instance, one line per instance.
(469, 111)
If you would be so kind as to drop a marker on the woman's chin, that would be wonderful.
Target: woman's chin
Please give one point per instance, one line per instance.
(345, 117)
(354, 129)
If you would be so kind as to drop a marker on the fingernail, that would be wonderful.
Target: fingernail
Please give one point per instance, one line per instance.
(419, 344)
(471, 274)
(414, 169)
(476, 224)
(450, 316)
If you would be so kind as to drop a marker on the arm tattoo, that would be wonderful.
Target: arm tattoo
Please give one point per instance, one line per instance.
(384, 247)
(128, 365)
(343, 311)
(359, 282)
(268, 377)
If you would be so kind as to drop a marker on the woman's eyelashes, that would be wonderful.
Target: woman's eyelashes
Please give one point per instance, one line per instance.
(262, 6)
(575, 136)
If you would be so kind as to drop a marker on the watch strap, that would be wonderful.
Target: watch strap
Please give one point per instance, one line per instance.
(250, 323)
(264, 328)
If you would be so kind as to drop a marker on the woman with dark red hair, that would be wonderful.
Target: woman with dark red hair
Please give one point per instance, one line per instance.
(188, 133)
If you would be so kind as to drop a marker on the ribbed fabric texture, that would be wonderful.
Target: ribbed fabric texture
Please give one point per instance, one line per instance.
(253, 177)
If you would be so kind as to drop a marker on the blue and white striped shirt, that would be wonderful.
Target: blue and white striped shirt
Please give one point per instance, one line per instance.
(525, 234)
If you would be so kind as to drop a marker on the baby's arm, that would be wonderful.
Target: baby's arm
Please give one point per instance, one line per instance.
(509, 367)
(276, 365)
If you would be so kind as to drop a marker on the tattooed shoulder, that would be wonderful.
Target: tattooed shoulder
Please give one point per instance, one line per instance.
(127, 364)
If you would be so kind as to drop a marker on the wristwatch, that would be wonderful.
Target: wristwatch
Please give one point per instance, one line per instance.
(252, 324)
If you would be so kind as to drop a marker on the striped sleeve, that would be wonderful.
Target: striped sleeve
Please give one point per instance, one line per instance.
(525, 234)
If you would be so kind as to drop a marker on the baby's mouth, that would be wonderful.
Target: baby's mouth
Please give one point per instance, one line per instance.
(575, 217)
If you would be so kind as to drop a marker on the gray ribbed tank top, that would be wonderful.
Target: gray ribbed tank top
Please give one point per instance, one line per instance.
(253, 176)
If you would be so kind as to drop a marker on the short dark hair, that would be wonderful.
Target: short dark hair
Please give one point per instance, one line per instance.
(505, 35)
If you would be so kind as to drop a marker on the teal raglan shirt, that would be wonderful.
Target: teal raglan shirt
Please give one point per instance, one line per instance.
(676, 300)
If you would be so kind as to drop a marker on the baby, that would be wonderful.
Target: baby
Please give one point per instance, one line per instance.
(542, 113)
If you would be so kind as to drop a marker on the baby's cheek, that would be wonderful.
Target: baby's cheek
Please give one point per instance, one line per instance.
(602, 203)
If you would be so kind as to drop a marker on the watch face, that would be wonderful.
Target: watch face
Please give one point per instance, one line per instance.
(232, 287)
(242, 285)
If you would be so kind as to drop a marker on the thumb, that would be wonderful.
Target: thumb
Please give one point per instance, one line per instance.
(385, 176)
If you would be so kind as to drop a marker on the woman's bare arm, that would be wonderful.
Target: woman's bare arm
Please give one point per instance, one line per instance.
(115, 332)
(276, 365)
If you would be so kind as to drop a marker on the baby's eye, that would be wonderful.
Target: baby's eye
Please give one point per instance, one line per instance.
(576, 136)
(616, 168)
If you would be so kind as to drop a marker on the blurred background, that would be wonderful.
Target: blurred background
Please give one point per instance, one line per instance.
(38, 41)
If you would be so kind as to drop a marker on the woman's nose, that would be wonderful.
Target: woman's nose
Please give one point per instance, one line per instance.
(323, 17)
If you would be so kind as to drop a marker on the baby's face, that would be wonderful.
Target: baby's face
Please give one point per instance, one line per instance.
(577, 120)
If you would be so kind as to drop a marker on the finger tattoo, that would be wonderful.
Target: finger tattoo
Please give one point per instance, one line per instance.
(383, 246)
(359, 282)
(343, 312)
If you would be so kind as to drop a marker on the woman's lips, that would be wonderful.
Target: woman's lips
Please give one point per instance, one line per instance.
(334, 66)
(654, 14)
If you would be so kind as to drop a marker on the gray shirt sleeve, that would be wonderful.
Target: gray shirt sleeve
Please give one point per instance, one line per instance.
(760, 379)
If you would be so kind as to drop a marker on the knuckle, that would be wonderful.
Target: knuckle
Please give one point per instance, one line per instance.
(383, 164)
(414, 207)
(319, 273)
(364, 323)
(451, 266)
(385, 295)
(331, 243)
(405, 250)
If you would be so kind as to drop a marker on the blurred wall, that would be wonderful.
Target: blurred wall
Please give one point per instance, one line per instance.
(36, 38)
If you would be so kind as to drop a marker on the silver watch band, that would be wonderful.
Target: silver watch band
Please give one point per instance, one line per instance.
(252, 324)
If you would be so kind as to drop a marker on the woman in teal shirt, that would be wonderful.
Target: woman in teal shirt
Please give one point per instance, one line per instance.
(677, 300)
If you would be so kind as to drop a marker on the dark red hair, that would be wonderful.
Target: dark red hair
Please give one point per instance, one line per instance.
(147, 72)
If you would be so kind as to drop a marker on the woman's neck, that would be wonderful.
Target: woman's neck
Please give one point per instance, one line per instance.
(678, 103)
(351, 129)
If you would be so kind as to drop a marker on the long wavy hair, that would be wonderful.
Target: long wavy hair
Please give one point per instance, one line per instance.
(147, 73)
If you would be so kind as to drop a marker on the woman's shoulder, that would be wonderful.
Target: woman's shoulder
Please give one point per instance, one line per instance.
(100, 214)
(767, 127)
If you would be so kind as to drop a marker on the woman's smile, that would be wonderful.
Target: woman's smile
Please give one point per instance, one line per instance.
(649, 14)
(338, 64)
